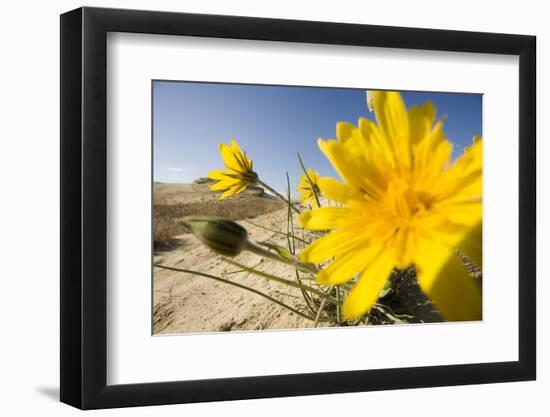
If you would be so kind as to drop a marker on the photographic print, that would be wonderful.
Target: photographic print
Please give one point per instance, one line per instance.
(290, 207)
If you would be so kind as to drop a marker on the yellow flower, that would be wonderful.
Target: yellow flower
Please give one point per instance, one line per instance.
(404, 203)
(238, 174)
(308, 187)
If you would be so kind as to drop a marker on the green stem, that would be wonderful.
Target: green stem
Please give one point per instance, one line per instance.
(305, 294)
(244, 287)
(281, 280)
(338, 318)
(276, 231)
(302, 266)
(289, 222)
(242, 270)
(321, 308)
(263, 184)
(313, 187)
(292, 248)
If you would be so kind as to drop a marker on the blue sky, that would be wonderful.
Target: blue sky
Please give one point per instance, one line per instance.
(272, 124)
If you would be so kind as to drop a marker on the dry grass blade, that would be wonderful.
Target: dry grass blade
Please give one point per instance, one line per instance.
(281, 280)
(236, 284)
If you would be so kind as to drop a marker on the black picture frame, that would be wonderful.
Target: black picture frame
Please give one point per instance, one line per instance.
(84, 207)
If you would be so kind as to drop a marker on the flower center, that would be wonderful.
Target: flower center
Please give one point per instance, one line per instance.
(406, 202)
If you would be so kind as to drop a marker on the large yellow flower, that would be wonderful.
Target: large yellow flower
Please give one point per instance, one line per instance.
(238, 174)
(308, 187)
(404, 202)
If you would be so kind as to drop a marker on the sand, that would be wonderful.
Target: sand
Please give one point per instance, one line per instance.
(186, 303)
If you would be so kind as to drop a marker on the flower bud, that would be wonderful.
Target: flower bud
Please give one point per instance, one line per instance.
(221, 235)
(370, 100)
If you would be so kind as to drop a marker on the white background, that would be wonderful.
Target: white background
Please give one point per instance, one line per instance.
(30, 174)
(133, 60)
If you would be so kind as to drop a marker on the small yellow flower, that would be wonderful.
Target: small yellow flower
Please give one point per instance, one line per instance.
(238, 175)
(404, 203)
(308, 187)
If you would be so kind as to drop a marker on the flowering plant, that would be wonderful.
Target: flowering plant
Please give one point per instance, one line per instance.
(402, 207)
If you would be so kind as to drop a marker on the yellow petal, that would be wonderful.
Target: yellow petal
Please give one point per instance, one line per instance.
(235, 146)
(432, 156)
(472, 243)
(312, 176)
(366, 291)
(344, 131)
(467, 213)
(442, 277)
(232, 191)
(229, 159)
(307, 186)
(375, 142)
(464, 177)
(368, 129)
(333, 244)
(227, 193)
(391, 114)
(240, 156)
(336, 191)
(217, 175)
(344, 162)
(325, 218)
(421, 120)
(225, 184)
(345, 267)
(393, 120)
(234, 159)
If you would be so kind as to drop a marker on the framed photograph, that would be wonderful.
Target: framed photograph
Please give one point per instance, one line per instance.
(256, 208)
